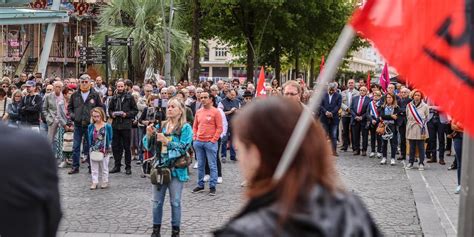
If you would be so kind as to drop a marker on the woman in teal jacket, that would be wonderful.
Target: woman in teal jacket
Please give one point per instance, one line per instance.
(176, 137)
(97, 131)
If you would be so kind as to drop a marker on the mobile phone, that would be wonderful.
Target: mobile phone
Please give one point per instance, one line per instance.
(156, 102)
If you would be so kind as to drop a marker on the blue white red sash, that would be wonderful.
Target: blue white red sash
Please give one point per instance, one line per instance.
(373, 109)
(416, 115)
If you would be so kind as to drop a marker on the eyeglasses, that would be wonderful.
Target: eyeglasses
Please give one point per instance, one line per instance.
(148, 91)
(17, 96)
(290, 94)
(85, 82)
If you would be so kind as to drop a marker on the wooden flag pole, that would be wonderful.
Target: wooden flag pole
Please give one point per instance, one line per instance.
(338, 52)
(466, 203)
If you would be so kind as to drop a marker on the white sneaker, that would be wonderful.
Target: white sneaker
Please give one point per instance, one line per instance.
(62, 164)
(384, 161)
(409, 166)
(379, 155)
(372, 155)
(206, 178)
(458, 190)
(392, 161)
(421, 167)
(219, 180)
(243, 184)
(195, 165)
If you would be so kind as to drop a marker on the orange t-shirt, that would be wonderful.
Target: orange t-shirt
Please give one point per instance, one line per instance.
(207, 125)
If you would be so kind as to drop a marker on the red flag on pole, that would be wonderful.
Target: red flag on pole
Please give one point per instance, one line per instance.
(260, 86)
(384, 78)
(321, 66)
(368, 81)
(432, 47)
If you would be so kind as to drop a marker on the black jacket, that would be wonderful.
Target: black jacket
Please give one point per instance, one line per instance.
(29, 203)
(325, 214)
(126, 103)
(80, 110)
(30, 109)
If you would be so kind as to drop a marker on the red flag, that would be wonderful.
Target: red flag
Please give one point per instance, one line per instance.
(384, 78)
(321, 66)
(260, 87)
(432, 47)
(368, 81)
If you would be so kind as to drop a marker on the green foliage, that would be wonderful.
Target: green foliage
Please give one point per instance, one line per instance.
(143, 21)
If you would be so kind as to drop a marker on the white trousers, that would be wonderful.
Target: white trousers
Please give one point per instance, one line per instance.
(104, 165)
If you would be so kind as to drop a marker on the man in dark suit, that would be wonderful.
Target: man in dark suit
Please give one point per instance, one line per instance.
(359, 107)
(29, 203)
(328, 113)
(402, 121)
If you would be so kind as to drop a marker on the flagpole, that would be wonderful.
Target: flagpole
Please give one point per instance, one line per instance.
(335, 57)
(466, 202)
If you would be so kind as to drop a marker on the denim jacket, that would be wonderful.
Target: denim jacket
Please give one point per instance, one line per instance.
(177, 147)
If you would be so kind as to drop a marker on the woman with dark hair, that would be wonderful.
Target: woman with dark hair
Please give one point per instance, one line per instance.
(389, 113)
(275, 84)
(308, 200)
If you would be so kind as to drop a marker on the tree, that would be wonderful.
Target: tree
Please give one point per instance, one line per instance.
(142, 20)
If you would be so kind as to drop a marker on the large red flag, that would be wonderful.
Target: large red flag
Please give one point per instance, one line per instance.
(429, 42)
(260, 85)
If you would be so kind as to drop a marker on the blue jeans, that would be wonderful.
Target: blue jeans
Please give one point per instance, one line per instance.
(458, 149)
(206, 151)
(141, 133)
(225, 139)
(175, 190)
(79, 133)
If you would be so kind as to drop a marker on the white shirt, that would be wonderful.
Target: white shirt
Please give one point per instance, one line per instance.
(224, 123)
(84, 96)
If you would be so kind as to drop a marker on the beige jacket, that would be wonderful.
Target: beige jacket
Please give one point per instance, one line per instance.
(413, 128)
(347, 100)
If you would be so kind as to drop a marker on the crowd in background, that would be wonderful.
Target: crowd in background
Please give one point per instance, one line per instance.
(90, 122)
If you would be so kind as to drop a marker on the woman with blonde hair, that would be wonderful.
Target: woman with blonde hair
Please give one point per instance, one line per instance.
(100, 138)
(417, 114)
(175, 137)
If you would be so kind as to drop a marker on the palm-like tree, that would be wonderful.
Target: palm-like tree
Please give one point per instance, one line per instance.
(143, 21)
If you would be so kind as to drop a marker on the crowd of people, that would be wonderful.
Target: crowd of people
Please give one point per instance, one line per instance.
(89, 122)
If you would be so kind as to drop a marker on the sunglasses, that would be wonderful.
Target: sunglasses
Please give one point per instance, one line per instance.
(84, 82)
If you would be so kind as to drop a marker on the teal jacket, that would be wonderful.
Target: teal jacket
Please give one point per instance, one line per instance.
(176, 148)
(108, 131)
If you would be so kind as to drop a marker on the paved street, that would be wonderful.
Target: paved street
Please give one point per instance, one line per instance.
(125, 208)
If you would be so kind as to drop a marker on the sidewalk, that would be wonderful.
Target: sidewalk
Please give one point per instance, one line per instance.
(436, 203)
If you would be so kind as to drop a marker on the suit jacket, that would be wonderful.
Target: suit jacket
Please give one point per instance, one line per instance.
(355, 105)
(29, 203)
(332, 107)
(345, 102)
(50, 108)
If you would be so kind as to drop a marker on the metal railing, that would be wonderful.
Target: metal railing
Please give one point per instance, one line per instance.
(60, 49)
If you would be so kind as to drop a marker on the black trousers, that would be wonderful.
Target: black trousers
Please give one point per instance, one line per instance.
(121, 141)
(402, 131)
(436, 132)
(219, 166)
(346, 121)
(375, 139)
(358, 129)
(393, 143)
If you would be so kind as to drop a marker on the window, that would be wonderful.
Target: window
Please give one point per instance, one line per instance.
(221, 52)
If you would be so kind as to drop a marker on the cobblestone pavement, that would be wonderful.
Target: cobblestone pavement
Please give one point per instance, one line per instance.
(385, 190)
(125, 208)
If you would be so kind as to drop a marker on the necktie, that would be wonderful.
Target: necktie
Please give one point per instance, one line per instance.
(359, 107)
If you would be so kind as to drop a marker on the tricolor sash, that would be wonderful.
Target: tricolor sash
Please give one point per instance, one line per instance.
(416, 115)
(373, 109)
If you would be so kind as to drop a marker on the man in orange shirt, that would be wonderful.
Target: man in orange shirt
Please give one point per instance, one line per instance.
(207, 129)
